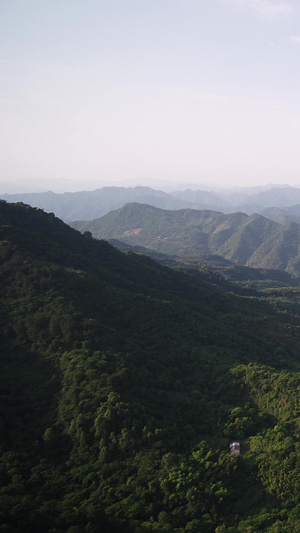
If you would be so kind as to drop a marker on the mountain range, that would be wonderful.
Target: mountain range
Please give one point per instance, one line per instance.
(123, 382)
(254, 240)
(88, 205)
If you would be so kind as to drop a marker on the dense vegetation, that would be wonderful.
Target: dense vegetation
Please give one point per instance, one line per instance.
(123, 383)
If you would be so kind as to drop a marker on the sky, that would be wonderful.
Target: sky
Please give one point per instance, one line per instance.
(149, 92)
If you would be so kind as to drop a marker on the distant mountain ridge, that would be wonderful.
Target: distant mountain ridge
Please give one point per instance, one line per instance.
(254, 240)
(89, 205)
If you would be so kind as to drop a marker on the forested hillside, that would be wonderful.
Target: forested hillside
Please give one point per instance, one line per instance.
(123, 383)
(255, 241)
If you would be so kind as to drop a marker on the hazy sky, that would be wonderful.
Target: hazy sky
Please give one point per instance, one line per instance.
(107, 91)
